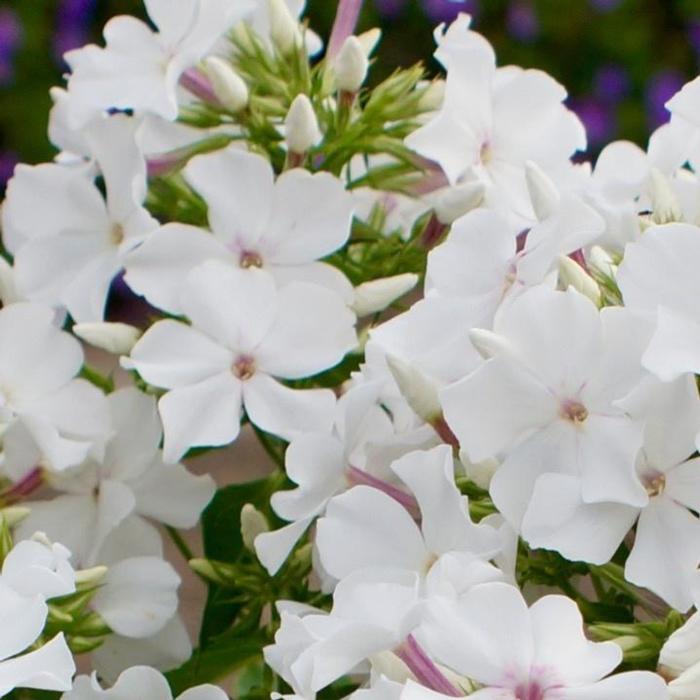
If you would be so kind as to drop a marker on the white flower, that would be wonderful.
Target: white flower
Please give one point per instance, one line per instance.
(283, 225)
(49, 418)
(494, 120)
(548, 396)
(129, 482)
(135, 682)
(230, 356)
(68, 254)
(513, 652)
(365, 528)
(658, 276)
(139, 69)
(319, 463)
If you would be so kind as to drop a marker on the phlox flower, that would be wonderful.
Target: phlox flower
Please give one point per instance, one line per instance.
(549, 393)
(138, 681)
(282, 225)
(518, 653)
(138, 68)
(233, 353)
(493, 120)
(658, 276)
(129, 483)
(68, 251)
(365, 528)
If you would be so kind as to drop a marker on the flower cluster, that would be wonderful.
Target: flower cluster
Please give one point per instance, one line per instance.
(471, 359)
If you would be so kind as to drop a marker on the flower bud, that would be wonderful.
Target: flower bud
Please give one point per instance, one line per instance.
(372, 297)
(665, 205)
(88, 578)
(599, 259)
(350, 66)
(544, 195)
(480, 473)
(571, 274)
(13, 515)
(369, 40)
(117, 338)
(454, 202)
(284, 28)
(253, 523)
(487, 343)
(420, 392)
(301, 126)
(228, 86)
(433, 96)
(387, 664)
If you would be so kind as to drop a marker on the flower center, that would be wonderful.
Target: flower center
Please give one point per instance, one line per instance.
(654, 483)
(529, 691)
(573, 411)
(243, 367)
(250, 258)
(485, 153)
(116, 235)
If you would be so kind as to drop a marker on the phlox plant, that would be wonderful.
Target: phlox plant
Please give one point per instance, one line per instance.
(469, 356)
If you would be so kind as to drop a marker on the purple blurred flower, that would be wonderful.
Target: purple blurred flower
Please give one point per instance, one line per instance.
(447, 10)
(522, 21)
(605, 5)
(597, 117)
(694, 34)
(10, 41)
(611, 83)
(660, 88)
(390, 9)
(73, 21)
(8, 161)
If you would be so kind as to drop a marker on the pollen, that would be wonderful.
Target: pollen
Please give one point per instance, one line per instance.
(243, 367)
(574, 411)
(116, 235)
(655, 484)
(250, 259)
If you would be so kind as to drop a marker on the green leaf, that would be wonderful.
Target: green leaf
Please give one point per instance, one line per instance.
(223, 656)
(221, 527)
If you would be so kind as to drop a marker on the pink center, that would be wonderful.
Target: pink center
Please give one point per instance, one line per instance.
(250, 258)
(573, 411)
(243, 367)
(529, 691)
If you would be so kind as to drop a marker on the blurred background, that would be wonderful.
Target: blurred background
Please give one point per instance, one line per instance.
(619, 59)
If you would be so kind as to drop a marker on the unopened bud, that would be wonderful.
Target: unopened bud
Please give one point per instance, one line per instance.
(372, 297)
(544, 195)
(453, 202)
(88, 578)
(350, 66)
(665, 205)
(387, 664)
(480, 473)
(228, 86)
(433, 96)
(253, 523)
(420, 392)
(284, 28)
(369, 40)
(488, 344)
(599, 259)
(117, 338)
(13, 515)
(301, 126)
(571, 274)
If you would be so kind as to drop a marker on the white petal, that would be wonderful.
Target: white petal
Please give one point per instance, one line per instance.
(22, 619)
(173, 355)
(204, 414)
(312, 332)
(286, 412)
(157, 268)
(364, 527)
(675, 347)
(273, 548)
(138, 597)
(640, 685)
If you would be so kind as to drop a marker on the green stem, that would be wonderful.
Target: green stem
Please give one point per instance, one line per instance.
(180, 543)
